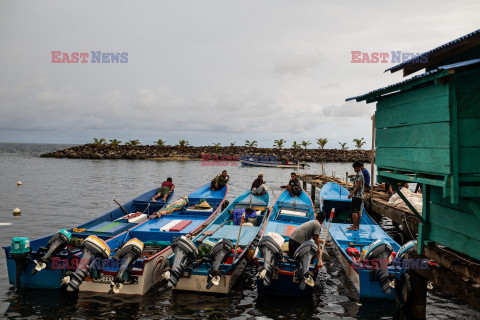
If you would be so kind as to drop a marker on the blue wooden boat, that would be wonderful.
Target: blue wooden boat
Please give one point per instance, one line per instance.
(138, 257)
(268, 161)
(63, 245)
(365, 254)
(277, 274)
(217, 269)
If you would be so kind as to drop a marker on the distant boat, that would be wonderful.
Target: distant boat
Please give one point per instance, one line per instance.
(277, 273)
(362, 253)
(43, 262)
(269, 161)
(139, 256)
(217, 272)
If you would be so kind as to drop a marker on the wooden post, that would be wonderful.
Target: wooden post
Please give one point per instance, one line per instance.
(346, 180)
(416, 307)
(304, 185)
(372, 161)
(312, 195)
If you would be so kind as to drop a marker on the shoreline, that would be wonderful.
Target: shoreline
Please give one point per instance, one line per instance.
(207, 153)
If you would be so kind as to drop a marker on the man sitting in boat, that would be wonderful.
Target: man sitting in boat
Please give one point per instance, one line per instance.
(165, 190)
(306, 231)
(357, 196)
(220, 181)
(258, 186)
(293, 185)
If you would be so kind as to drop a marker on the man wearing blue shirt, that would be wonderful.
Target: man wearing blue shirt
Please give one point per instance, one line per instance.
(366, 177)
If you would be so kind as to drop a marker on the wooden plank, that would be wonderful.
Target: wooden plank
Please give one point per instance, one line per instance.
(433, 161)
(455, 241)
(469, 135)
(416, 96)
(423, 111)
(458, 221)
(469, 160)
(430, 135)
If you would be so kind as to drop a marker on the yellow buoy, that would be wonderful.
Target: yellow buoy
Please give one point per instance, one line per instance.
(17, 212)
(19, 183)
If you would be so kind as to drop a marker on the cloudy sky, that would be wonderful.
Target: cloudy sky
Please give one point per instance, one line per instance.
(207, 71)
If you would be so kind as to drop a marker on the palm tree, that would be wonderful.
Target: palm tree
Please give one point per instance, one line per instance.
(343, 145)
(359, 143)
(132, 143)
(115, 142)
(232, 144)
(279, 143)
(250, 144)
(216, 146)
(99, 142)
(305, 144)
(322, 142)
(160, 142)
(296, 146)
(182, 144)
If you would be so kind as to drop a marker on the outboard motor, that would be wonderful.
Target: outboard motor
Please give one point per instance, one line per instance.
(302, 256)
(185, 254)
(93, 247)
(407, 247)
(272, 255)
(20, 251)
(218, 255)
(380, 250)
(127, 255)
(55, 245)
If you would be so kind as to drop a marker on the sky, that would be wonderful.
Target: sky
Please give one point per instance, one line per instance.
(208, 71)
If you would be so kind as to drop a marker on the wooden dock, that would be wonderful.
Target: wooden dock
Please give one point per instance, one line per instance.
(376, 202)
(449, 271)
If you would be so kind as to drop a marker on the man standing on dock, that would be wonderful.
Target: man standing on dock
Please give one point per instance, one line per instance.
(357, 196)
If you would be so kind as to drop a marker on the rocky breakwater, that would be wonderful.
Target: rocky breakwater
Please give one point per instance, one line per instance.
(152, 152)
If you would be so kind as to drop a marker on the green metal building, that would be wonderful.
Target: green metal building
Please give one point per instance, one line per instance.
(428, 132)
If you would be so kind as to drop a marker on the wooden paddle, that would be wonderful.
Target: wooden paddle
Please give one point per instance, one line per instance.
(326, 235)
(121, 207)
(238, 238)
(209, 233)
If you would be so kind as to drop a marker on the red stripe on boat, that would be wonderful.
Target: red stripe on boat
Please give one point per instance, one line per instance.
(181, 225)
(290, 229)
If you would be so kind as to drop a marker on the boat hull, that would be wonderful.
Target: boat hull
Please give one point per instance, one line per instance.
(145, 279)
(271, 165)
(198, 283)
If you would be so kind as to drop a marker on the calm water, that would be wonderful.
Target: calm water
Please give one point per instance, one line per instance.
(61, 193)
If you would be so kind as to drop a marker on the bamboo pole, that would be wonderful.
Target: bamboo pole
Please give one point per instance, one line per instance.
(372, 161)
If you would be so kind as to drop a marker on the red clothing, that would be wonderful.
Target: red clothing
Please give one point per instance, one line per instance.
(167, 184)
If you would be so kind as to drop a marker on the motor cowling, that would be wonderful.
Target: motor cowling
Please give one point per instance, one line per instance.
(20, 252)
(127, 255)
(55, 245)
(185, 255)
(303, 256)
(272, 255)
(378, 253)
(93, 247)
(406, 248)
(218, 255)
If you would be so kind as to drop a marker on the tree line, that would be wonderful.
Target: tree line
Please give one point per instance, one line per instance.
(279, 144)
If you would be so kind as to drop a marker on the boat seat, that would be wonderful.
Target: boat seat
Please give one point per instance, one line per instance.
(107, 227)
(293, 213)
(181, 225)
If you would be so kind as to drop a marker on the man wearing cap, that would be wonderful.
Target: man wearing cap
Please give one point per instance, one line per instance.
(258, 186)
